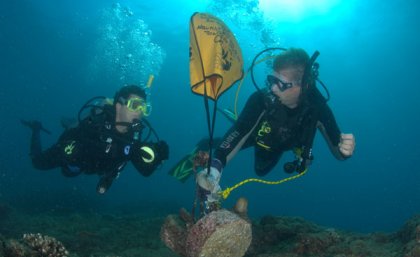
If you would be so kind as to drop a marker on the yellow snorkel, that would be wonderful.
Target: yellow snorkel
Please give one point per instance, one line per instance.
(150, 81)
(148, 105)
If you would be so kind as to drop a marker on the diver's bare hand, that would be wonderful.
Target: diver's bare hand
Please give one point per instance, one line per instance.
(347, 144)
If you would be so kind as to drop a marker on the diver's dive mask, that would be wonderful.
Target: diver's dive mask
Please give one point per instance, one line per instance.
(281, 85)
(137, 104)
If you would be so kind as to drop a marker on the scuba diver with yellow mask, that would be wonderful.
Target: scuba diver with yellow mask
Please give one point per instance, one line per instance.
(103, 142)
(283, 116)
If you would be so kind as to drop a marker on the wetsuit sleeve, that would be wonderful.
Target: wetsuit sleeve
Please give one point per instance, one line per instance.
(108, 178)
(330, 131)
(146, 157)
(238, 134)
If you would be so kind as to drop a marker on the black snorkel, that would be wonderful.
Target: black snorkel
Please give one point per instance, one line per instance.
(309, 75)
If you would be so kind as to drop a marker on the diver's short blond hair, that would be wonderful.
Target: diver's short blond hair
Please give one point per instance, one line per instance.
(295, 58)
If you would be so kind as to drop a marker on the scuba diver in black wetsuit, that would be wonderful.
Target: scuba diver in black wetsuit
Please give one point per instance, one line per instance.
(103, 142)
(282, 117)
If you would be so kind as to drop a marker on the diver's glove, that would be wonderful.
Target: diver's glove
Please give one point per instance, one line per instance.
(154, 152)
(208, 182)
(104, 184)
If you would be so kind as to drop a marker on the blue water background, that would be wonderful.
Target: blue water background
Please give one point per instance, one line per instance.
(369, 61)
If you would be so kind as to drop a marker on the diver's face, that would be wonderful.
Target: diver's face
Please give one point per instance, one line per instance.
(290, 96)
(125, 114)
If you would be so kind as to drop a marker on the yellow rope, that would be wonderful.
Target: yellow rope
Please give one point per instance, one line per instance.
(225, 193)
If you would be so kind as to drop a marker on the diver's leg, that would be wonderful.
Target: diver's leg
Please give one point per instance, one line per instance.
(265, 161)
(36, 127)
(41, 160)
(36, 147)
(47, 159)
